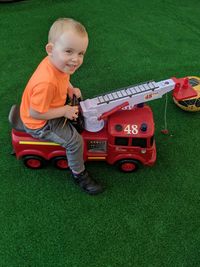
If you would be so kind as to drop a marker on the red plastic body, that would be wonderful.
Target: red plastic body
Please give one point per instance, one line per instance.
(183, 89)
(127, 134)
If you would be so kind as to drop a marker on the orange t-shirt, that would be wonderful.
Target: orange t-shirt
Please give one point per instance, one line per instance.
(47, 88)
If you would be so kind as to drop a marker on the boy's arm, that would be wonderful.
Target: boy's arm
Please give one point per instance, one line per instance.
(74, 91)
(70, 112)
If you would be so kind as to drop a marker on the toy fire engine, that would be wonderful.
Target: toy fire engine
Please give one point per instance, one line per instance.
(118, 128)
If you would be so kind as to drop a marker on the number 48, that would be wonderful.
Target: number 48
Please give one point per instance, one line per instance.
(131, 129)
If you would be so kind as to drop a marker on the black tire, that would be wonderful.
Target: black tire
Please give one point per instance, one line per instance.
(34, 162)
(128, 165)
(60, 162)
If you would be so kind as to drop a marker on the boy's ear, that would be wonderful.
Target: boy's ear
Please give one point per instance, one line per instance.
(49, 48)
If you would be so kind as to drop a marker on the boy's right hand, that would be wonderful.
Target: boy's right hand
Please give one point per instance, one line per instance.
(71, 112)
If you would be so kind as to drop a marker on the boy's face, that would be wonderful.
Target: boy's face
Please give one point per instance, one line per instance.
(68, 51)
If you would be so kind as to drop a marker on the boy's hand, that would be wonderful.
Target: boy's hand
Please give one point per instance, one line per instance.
(77, 92)
(74, 91)
(71, 112)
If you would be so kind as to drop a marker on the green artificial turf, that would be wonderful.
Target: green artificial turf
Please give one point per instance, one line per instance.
(148, 218)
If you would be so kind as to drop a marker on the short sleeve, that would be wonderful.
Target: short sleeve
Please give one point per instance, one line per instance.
(42, 96)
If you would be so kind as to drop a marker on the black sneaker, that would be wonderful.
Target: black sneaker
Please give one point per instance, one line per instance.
(87, 183)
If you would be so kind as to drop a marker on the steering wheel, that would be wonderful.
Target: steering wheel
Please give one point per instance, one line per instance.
(79, 122)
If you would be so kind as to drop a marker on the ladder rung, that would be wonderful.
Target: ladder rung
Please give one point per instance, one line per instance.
(126, 91)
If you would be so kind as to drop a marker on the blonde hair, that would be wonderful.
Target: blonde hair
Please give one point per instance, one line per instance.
(63, 24)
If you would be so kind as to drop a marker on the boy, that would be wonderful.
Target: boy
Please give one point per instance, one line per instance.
(43, 110)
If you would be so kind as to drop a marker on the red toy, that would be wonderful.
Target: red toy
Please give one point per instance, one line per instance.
(118, 129)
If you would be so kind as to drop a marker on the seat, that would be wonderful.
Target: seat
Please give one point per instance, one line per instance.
(14, 118)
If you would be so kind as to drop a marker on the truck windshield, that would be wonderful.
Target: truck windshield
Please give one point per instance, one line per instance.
(121, 141)
(124, 141)
(141, 142)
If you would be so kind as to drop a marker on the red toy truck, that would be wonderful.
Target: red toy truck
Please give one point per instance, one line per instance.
(118, 128)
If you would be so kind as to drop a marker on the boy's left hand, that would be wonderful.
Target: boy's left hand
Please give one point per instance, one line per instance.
(74, 91)
(77, 92)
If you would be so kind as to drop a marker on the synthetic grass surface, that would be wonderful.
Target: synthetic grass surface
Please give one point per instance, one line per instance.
(148, 218)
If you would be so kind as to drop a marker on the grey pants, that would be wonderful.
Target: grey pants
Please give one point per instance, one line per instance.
(67, 137)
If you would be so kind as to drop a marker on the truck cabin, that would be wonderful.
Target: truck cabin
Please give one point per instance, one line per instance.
(132, 129)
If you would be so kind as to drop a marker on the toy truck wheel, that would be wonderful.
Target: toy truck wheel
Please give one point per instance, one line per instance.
(60, 163)
(128, 165)
(33, 162)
